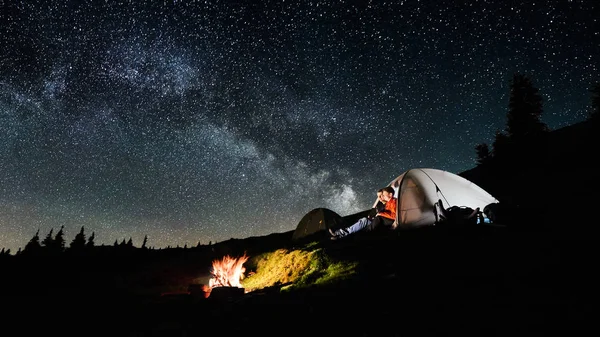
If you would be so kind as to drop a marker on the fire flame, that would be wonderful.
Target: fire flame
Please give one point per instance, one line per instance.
(227, 272)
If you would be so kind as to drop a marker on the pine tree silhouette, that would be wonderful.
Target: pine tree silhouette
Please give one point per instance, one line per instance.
(59, 240)
(90, 243)
(78, 243)
(526, 132)
(48, 241)
(33, 247)
(524, 110)
(483, 154)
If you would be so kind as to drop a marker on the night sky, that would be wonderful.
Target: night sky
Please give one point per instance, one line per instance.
(198, 121)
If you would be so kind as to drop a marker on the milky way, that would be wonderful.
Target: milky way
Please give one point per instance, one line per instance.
(199, 121)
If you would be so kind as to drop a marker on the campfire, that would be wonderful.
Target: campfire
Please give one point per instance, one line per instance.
(227, 273)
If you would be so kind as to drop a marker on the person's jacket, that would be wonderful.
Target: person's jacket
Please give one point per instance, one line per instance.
(389, 210)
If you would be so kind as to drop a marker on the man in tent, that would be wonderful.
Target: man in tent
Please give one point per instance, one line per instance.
(385, 217)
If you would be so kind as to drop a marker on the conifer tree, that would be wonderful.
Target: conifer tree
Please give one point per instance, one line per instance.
(524, 110)
(90, 243)
(78, 243)
(59, 240)
(145, 242)
(48, 241)
(33, 246)
(500, 145)
(483, 153)
(130, 242)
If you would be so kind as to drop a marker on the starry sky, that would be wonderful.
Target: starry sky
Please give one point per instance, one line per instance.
(201, 121)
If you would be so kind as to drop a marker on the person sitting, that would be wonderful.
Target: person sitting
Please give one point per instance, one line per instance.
(383, 217)
(379, 206)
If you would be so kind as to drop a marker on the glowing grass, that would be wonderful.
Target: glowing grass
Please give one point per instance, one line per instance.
(290, 269)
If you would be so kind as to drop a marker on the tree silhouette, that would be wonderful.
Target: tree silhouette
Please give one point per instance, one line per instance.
(145, 242)
(59, 240)
(130, 243)
(33, 247)
(78, 243)
(524, 110)
(483, 154)
(48, 241)
(90, 243)
(500, 147)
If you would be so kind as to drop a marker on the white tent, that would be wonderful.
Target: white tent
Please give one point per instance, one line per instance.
(419, 189)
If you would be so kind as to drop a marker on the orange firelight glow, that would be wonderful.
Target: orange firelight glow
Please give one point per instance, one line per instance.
(228, 272)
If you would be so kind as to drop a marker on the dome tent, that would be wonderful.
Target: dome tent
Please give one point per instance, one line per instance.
(316, 221)
(419, 189)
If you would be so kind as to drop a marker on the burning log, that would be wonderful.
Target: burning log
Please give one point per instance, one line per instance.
(226, 276)
(228, 272)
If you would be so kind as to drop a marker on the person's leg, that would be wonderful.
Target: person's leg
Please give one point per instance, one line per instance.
(374, 224)
(361, 224)
(380, 221)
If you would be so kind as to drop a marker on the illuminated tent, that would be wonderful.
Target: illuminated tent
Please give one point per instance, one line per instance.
(316, 222)
(419, 189)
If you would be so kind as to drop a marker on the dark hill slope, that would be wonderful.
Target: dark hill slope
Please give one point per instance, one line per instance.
(430, 282)
(417, 282)
(553, 184)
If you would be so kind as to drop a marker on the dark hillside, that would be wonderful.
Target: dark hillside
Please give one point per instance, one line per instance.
(483, 281)
(552, 183)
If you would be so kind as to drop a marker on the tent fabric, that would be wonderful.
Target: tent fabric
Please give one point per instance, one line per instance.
(317, 220)
(419, 189)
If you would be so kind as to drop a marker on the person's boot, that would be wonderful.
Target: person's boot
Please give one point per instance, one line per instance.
(333, 236)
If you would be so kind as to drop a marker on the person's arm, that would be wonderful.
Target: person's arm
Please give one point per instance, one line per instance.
(390, 209)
